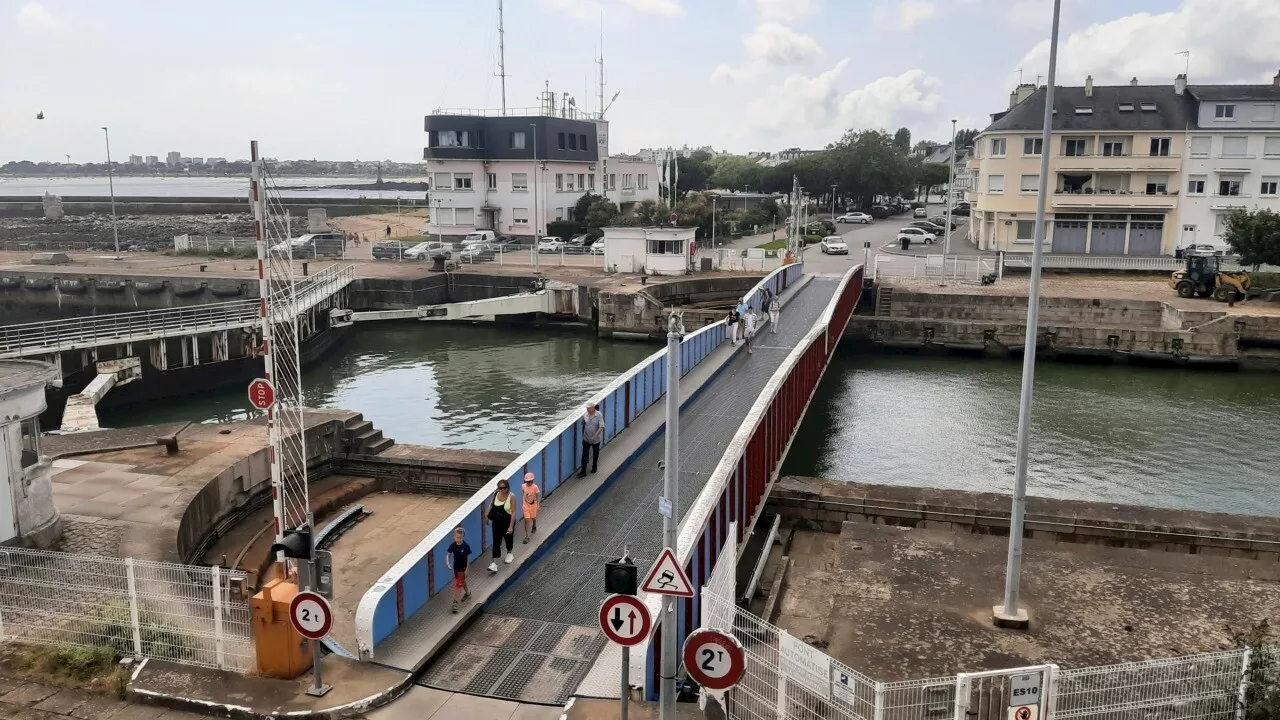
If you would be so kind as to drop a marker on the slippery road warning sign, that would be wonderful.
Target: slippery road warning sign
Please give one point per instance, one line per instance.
(667, 577)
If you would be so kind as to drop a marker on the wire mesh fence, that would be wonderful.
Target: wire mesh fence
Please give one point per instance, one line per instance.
(1209, 686)
(179, 613)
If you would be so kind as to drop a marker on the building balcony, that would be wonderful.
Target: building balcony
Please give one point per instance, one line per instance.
(1103, 163)
(1116, 199)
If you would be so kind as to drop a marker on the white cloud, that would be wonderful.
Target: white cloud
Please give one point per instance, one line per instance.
(784, 10)
(35, 16)
(1229, 42)
(888, 102)
(780, 45)
(661, 8)
(905, 16)
(798, 103)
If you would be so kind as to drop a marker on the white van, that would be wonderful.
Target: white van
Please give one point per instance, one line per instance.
(479, 237)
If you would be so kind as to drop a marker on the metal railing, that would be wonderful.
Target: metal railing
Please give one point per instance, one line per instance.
(972, 267)
(40, 338)
(178, 613)
(957, 268)
(213, 243)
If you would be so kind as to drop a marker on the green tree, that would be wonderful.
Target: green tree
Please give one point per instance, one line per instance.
(602, 213)
(933, 175)
(902, 139)
(964, 138)
(649, 213)
(583, 204)
(735, 172)
(1254, 236)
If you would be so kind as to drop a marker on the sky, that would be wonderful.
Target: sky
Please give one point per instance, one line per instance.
(334, 79)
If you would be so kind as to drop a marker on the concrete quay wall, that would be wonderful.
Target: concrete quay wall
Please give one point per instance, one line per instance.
(643, 311)
(826, 504)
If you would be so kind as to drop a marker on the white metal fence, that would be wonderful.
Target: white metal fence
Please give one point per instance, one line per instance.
(179, 613)
(971, 268)
(788, 679)
(213, 243)
(956, 268)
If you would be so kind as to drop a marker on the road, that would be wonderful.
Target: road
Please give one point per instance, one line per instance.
(882, 236)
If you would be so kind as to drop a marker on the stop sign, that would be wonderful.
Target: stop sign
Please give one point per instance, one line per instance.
(262, 394)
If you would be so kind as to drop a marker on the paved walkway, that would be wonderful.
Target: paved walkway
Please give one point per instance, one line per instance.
(536, 639)
(25, 700)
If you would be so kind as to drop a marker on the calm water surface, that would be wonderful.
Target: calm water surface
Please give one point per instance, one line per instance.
(219, 187)
(1170, 438)
(460, 386)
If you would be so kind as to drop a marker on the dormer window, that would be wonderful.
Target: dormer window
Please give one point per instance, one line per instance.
(1084, 110)
(1126, 107)
(1148, 107)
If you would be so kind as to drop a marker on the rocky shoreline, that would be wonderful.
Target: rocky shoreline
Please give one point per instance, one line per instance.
(137, 232)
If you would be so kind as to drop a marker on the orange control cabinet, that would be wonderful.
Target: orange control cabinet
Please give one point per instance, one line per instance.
(282, 652)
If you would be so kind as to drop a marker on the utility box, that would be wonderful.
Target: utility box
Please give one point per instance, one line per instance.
(282, 652)
(317, 220)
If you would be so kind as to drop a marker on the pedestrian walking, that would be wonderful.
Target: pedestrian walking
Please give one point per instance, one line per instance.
(388, 232)
(766, 299)
(532, 499)
(457, 560)
(775, 308)
(592, 434)
(750, 321)
(732, 323)
(502, 515)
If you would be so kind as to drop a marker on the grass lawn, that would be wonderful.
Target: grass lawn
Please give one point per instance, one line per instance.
(775, 245)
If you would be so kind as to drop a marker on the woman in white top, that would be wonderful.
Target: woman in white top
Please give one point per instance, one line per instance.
(774, 308)
(749, 322)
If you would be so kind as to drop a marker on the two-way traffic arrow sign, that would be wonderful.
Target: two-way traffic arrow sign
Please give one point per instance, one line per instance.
(625, 620)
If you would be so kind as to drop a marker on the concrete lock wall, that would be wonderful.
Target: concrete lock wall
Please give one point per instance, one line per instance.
(73, 295)
(644, 311)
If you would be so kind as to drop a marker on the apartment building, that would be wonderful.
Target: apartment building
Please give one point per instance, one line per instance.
(1233, 158)
(1134, 170)
(515, 174)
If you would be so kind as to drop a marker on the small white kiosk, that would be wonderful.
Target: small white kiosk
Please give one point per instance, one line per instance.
(27, 514)
(652, 251)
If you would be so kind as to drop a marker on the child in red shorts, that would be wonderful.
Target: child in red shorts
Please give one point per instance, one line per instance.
(457, 560)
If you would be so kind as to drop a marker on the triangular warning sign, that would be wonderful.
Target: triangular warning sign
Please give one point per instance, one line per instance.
(667, 577)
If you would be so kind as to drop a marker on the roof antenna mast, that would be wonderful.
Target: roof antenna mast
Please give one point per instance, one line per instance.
(502, 59)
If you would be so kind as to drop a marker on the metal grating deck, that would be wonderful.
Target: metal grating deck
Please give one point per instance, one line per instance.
(563, 591)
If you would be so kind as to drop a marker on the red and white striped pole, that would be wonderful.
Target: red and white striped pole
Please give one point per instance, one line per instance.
(259, 202)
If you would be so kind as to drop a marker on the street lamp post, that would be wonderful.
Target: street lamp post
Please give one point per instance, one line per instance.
(111, 188)
(713, 220)
(833, 203)
(951, 181)
(1009, 614)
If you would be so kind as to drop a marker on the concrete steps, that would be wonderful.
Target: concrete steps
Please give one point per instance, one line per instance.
(884, 301)
(362, 438)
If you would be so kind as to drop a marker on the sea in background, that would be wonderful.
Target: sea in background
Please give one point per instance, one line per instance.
(203, 187)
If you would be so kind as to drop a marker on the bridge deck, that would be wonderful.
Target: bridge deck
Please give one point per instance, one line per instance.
(536, 640)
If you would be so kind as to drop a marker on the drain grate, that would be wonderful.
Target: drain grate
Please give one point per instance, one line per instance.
(517, 659)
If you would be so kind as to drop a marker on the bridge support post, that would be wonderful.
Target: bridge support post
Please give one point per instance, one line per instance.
(160, 354)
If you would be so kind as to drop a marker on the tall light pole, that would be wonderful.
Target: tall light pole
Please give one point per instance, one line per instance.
(951, 181)
(537, 234)
(833, 203)
(111, 187)
(670, 523)
(1010, 615)
(713, 220)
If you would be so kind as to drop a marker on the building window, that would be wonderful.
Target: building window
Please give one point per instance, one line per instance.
(642, 181)
(995, 184)
(1224, 112)
(582, 181)
(442, 216)
(30, 429)
(1219, 223)
(517, 140)
(573, 141)
(591, 182)
(1264, 112)
(491, 181)
(1229, 187)
(446, 138)
(997, 147)
(559, 182)
(560, 140)
(666, 247)
(1075, 147)
(613, 182)
(1032, 145)
(1157, 184)
(520, 216)
(1160, 147)
(582, 141)
(1235, 146)
(1148, 107)
(464, 216)
(1271, 146)
(1200, 146)
(1030, 183)
(1113, 148)
(1195, 185)
(559, 213)
(520, 182)
(442, 181)
(1268, 186)
(462, 181)
(1082, 110)
(626, 181)
(1026, 230)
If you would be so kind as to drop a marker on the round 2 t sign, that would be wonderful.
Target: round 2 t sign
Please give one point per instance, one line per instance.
(310, 614)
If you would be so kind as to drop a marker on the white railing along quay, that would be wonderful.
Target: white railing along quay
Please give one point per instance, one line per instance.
(42, 338)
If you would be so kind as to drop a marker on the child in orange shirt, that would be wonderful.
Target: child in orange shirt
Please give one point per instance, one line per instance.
(532, 499)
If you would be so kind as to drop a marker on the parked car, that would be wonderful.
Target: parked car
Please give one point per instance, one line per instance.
(328, 244)
(580, 240)
(393, 250)
(479, 236)
(941, 221)
(916, 234)
(597, 248)
(429, 251)
(478, 252)
(833, 245)
(854, 217)
(962, 210)
(550, 245)
(929, 226)
(920, 212)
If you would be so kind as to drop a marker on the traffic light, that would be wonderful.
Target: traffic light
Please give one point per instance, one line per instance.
(620, 577)
(295, 544)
